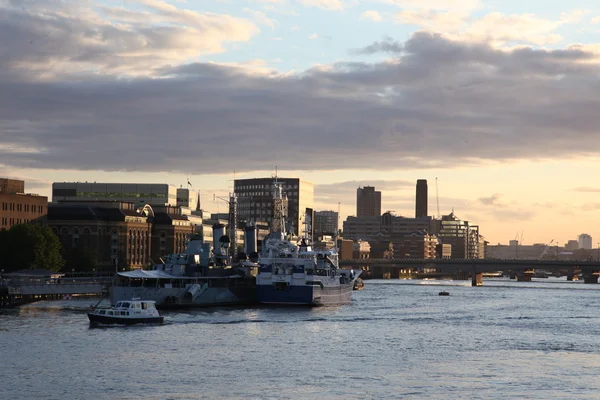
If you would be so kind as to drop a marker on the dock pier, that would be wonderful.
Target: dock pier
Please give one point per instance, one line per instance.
(22, 291)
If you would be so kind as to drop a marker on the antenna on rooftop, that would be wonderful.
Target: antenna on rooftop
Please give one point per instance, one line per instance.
(437, 199)
(337, 230)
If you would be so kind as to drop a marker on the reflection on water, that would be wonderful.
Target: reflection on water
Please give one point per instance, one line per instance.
(398, 339)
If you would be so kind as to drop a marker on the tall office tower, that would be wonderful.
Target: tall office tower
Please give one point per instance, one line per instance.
(368, 202)
(421, 200)
(585, 241)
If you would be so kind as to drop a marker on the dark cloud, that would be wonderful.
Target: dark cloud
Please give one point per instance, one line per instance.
(585, 189)
(591, 207)
(441, 103)
(352, 186)
(342, 191)
(492, 200)
(387, 45)
(512, 215)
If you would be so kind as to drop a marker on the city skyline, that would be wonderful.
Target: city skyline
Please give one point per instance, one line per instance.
(496, 100)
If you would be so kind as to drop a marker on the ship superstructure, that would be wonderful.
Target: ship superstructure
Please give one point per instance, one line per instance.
(293, 273)
(199, 277)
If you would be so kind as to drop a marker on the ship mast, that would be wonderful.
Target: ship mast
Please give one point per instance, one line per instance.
(233, 223)
(278, 224)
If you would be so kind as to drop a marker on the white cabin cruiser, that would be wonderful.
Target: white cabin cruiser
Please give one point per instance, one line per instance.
(127, 313)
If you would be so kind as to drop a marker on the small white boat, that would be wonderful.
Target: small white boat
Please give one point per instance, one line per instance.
(127, 313)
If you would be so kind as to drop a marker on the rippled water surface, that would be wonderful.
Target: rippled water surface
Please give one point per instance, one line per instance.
(398, 339)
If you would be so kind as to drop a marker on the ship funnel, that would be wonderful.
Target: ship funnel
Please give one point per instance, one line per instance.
(225, 241)
(250, 245)
(253, 256)
(218, 233)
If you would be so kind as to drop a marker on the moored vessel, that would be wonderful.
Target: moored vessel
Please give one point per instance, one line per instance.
(293, 273)
(199, 277)
(127, 313)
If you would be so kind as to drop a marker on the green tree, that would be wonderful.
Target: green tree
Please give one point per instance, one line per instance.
(52, 250)
(81, 259)
(30, 247)
(4, 245)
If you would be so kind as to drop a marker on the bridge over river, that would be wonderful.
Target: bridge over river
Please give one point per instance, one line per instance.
(475, 268)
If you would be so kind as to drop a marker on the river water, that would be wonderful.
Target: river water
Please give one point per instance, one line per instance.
(397, 340)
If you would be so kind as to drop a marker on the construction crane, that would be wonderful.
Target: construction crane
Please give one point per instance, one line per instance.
(437, 199)
(521, 239)
(545, 250)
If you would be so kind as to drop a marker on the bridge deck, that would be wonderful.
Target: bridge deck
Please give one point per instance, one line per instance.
(479, 265)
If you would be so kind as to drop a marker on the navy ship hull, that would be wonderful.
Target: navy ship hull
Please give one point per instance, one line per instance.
(208, 293)
(304, 295)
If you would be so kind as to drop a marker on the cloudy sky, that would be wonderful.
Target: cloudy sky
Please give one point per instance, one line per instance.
(498, 100)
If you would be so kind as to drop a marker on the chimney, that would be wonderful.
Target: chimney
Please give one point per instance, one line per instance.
(421, 201)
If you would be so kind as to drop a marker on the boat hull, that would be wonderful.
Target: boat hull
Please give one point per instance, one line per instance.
(176, 298)
(116, 320)
(305, 295)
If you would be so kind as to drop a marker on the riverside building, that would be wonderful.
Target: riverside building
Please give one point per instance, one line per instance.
(463, 236)
(585, 241)
(18, 207)
(368, 202)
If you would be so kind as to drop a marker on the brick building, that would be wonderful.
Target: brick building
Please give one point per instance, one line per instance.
(345, 249)
(110, 230)
(18, 207)
(418, 244)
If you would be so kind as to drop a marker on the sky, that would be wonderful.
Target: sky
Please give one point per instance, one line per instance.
(495, 103)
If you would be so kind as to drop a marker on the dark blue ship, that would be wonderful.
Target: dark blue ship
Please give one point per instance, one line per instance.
(293, 273)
